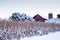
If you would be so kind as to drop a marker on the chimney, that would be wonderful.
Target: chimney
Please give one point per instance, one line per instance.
(50, 15)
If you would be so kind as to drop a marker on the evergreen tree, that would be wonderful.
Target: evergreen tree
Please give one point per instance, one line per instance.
(58, 16)
(15, 16)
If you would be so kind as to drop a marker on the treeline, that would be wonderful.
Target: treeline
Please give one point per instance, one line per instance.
(16, 16)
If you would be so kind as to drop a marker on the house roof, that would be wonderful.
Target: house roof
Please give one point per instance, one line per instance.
(38, 18)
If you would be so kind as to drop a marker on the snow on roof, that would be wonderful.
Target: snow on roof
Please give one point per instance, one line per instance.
(53, 20)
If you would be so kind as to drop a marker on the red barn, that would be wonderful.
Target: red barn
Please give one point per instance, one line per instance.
(39, 18)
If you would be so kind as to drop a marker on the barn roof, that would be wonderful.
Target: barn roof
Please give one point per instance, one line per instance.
(39, 18)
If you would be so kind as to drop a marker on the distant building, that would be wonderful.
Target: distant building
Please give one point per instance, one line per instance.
(53, 20)
(39, 18)
(50, 15)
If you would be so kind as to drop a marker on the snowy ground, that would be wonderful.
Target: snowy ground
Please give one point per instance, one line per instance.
(33, 35)
(50, 36)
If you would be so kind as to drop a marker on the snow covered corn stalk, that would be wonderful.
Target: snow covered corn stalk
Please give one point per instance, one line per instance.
(20, 29)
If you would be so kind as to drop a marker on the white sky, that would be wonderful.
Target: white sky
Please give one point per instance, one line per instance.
(30, 7)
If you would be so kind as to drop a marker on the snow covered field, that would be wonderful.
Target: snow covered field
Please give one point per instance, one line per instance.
(50, 36)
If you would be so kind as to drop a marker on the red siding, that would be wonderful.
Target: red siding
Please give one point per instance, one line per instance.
(39, 18)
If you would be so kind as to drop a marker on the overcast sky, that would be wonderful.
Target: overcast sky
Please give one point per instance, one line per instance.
(30, 7)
